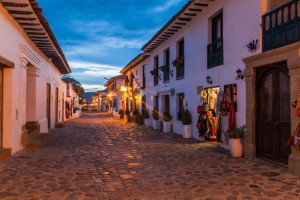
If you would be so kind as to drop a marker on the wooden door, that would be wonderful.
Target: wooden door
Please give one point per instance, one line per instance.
(273, 113)
(56, 106)
(48, 104)
(1, 107)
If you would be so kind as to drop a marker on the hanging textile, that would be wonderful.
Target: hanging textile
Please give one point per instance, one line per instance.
(231, 118)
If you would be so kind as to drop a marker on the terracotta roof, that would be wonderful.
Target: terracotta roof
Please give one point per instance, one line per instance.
(35, 25)
(137, 60)
(177, 22)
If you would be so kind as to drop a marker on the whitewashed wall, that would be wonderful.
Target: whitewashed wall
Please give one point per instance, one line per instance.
(17, 47)
(241, 24)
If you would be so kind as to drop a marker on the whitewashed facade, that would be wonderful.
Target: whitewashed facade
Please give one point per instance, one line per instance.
(221, 39)
(31, 64)
(115, 94)
(197, 35)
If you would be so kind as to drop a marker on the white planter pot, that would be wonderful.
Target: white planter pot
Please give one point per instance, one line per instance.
(187, 131)
(166, 127)
(236, 147)
(156, 124)
(147, 122)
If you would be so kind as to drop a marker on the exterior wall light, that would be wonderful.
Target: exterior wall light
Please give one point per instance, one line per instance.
(209, 80)
(123, 89)
(239, 74)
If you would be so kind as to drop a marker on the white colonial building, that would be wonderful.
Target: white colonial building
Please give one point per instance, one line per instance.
(31, 63)
(239, 52)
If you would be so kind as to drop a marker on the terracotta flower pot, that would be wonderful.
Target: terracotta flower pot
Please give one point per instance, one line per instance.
(236, 147)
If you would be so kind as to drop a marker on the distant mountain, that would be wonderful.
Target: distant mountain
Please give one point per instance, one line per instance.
(88, 96)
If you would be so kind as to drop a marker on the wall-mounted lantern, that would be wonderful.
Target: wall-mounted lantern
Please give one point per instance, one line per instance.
(239, 74)
(209, 80)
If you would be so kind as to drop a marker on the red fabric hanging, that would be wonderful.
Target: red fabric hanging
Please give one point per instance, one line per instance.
(231, 118)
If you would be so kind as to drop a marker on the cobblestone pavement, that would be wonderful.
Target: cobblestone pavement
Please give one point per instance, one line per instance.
(99, 157)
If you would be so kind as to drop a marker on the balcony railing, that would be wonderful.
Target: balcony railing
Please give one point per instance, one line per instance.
(281, 26)
(215, 53)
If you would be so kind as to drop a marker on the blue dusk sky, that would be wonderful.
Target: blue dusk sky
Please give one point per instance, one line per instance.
(100, 37)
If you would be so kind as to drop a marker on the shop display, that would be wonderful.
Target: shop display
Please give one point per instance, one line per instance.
(214, 104)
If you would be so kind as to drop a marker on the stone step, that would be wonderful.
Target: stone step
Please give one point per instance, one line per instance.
(36, 142)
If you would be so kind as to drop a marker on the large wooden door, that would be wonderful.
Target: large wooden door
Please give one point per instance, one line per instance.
(273, 113)
(56, 105)
(1, 107)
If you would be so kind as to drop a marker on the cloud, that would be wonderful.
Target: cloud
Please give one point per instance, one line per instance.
(91, 75)
(166, 6)
(93, 88)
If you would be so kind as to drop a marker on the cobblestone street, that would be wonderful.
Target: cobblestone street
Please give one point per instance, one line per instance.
(100, 157)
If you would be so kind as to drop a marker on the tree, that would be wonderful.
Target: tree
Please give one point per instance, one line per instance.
(77, 87)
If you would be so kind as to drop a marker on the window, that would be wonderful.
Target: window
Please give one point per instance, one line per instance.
(180, 105)
(155, 70)
(144, 77)
(215, 48)
(180, 67)
(167, 103)
(167, 66)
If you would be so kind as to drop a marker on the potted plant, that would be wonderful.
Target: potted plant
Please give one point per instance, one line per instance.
(139, 119)
(146, 117)
(167, 122)
(187, 121)
(127, 113)
(121, 113)
(156, 122)
(235, 141)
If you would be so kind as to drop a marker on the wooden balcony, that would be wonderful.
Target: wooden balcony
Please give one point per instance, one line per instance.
(215, 55)
(281, 26)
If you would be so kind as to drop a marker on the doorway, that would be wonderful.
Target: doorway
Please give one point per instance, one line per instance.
(56, 106)
(48, 104)
(1, 107)
(273, 113)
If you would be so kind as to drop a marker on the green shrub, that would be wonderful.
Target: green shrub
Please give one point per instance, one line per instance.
(146, 114)
(155, 113)
(186, 117)
(167, 116)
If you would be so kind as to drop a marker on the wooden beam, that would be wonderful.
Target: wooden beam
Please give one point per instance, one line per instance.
(190, 14)
(35, 33)
(33, 29)
(11, 4)
(38, 37)
(28, 24)
(172, 30)
(25, 19)
(195, 9)
(201, 4)
(180, 23)
(186, 19)
(178, 27)
(166, 36)
(169, 33)
(19, 12)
